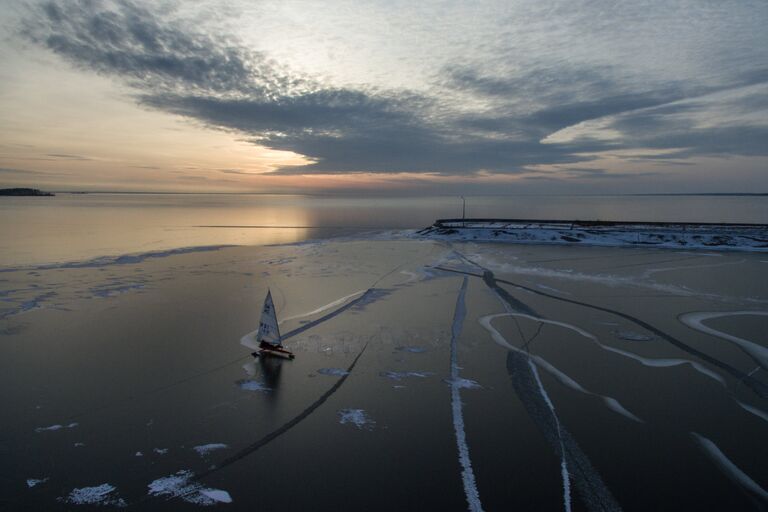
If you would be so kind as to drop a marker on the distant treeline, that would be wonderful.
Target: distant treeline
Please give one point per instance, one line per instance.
(23, 192)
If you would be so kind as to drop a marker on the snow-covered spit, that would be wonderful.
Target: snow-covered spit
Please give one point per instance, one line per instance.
(742, 237)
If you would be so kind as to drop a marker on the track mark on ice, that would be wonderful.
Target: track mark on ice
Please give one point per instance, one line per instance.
(577, 467)
(563, 462)
(328, 306)
(564, 379)
(757, 386)
(467, 475)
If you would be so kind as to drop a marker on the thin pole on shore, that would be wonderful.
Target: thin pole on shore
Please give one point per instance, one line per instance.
(463, 211)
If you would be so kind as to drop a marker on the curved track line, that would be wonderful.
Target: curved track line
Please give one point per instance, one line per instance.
(695, 320)
(563, 378)
(758, 387)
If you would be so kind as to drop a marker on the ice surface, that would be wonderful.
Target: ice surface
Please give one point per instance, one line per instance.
(103, 494)
(335, 372)
(357, 417)
(205, 449)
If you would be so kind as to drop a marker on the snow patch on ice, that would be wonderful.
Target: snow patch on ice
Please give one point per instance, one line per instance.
(403, 375)
(205, 449)
(160, 451)
(178, 486)
(461, 383)
(334, 372)
(357, 417)
(217, 495)
(252, 385)
(412, 350)
(633, 336)
(56, 427)
(138, 454)
(103, 494)
(32, 482)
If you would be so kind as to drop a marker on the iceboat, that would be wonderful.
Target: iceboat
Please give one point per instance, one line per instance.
(267, 341)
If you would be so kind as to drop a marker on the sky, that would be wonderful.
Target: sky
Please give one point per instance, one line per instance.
(362, 97)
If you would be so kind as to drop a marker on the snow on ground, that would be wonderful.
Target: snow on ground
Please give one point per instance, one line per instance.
(731, 237)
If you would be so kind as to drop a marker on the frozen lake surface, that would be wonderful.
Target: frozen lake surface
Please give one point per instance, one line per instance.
(429, 374)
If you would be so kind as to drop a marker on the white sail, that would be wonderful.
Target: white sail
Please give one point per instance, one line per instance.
(268, 329)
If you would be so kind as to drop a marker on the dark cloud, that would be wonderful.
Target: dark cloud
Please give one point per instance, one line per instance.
(215, 80)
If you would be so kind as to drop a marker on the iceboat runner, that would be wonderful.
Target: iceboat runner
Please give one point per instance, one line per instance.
(268, 338)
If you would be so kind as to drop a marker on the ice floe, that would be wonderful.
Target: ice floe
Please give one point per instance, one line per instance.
(103, 494)
(205, 449)
(357, 417)
(335, 372)
(56, 427)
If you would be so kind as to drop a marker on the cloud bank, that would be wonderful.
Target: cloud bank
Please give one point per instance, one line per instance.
(506, 111)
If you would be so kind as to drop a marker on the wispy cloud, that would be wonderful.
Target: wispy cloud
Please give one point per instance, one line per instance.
(501, 113)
